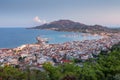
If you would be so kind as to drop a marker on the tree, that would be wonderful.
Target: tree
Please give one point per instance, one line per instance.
(10, 73)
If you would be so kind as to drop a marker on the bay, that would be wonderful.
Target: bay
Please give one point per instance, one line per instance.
(14, 37)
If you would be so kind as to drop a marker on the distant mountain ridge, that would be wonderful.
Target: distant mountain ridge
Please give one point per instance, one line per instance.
(68, 25)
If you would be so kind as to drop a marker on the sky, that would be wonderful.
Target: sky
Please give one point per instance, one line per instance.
(29, 13)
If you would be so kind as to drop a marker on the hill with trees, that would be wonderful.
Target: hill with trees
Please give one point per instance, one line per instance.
(68, 25)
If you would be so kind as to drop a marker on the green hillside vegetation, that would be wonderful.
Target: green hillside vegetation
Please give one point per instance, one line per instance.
(105, 67)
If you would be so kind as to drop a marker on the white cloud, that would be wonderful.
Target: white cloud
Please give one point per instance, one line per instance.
(38, 20)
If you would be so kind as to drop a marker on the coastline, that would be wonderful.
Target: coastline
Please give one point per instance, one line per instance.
(15, 37)
(39, 53)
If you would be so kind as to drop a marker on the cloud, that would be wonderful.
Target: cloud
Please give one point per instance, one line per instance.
(38, 20)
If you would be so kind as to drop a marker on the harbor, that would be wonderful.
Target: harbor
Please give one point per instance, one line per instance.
(14, 37)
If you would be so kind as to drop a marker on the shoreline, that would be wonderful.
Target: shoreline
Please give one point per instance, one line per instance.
(8, 42)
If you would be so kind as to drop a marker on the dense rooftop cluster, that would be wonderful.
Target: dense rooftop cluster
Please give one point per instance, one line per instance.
(36, 55)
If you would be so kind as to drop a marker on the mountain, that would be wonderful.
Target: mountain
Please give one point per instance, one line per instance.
(68, 25)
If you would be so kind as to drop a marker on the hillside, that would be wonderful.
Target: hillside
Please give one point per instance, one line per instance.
(68, 25)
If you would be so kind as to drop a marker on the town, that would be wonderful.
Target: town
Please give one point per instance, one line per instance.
(37, 54)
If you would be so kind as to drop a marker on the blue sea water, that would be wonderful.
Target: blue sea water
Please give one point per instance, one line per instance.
(13, 37)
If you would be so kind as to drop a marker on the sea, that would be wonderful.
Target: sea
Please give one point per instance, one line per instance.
(14, 37)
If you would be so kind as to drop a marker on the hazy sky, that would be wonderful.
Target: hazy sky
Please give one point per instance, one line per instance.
(27, 13)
